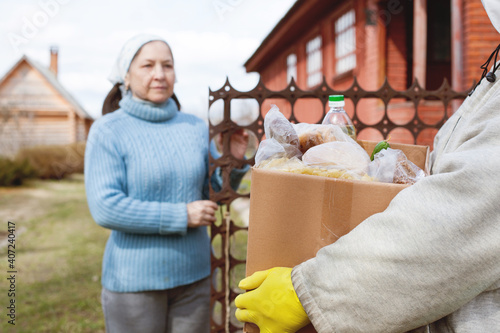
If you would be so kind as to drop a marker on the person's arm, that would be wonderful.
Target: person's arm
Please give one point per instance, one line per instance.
(108, 200)
(435, 248)
(235, 176)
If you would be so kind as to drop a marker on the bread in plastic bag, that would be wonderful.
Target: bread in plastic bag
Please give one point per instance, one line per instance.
(392, 166)
(349, 156)
(310, 135)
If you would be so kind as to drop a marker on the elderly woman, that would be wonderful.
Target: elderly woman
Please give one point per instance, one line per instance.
(429, 263)
(146, 177)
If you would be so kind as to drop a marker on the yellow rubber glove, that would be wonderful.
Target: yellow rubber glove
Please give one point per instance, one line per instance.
(271, 303)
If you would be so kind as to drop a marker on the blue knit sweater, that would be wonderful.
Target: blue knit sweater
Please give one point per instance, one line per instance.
(143, 164)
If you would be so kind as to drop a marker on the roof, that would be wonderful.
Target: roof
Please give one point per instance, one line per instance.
(51, 78)
(297, 21)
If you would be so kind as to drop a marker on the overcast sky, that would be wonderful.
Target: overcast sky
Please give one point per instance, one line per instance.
(210, 39)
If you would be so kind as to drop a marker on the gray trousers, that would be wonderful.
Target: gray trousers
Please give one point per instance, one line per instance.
(178, 310)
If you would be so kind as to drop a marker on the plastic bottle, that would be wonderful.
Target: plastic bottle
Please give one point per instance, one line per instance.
(337, 115)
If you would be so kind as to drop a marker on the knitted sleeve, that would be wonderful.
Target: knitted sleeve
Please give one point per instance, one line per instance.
(109, 204)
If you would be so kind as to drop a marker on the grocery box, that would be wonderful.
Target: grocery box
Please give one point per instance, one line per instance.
(292, 215)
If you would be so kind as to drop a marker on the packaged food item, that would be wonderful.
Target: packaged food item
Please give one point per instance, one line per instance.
(281, 139)
(381, 145)
(311, 135)
(326, 150)
(295, 165)
(392, 166)
(338, 155)
(277, 127)
(271, 149)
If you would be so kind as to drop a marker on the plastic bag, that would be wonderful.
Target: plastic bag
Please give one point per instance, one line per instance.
(281, 139)
(392, 166)
(339, 157)
(310, 135)
(272, 149)
(348, 156)
(277, 127)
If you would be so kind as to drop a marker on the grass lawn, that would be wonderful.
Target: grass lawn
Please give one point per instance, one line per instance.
(58, 257)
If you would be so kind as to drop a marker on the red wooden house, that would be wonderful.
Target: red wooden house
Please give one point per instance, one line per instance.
(400, 40)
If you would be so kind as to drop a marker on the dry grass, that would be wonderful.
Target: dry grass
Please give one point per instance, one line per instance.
(59, 252)
(58, 258)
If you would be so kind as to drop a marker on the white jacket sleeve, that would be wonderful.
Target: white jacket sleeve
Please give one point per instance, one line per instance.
(436, 246)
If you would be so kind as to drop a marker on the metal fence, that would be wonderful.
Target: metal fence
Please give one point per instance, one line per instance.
(227, 265)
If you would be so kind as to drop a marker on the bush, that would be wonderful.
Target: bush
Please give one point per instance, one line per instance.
(55, 161)
(13, 172)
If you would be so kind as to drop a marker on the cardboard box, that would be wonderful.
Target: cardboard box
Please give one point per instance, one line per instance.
(292, 216)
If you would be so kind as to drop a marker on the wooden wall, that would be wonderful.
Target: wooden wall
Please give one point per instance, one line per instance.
(33, 113)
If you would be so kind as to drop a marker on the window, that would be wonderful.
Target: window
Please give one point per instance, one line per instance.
(438, 66)
(345, 42)
(314, 62)
(291, 67)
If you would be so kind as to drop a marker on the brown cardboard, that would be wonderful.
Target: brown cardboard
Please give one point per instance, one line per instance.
(292, 216)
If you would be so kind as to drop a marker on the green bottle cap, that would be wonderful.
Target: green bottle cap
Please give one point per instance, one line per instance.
(336, 98)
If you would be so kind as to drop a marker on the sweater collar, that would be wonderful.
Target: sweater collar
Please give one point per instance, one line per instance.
(149, 111)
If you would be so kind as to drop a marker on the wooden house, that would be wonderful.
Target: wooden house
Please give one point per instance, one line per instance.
(35, 109)
(372, 40)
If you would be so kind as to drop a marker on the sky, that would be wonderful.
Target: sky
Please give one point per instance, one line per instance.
(210, 40)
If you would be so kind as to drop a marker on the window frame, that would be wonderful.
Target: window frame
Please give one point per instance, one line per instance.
(289, 66)
(347, 27)
(314, 61)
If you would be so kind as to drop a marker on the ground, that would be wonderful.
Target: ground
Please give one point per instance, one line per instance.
(58, 255)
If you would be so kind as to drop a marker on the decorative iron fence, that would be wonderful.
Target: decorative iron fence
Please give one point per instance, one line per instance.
(228, 267)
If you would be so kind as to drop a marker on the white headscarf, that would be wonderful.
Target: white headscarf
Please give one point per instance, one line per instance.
(493, 10)
(129, 50)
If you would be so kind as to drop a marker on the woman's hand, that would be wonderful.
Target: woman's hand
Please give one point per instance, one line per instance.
(238, 143)
(200, 213)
